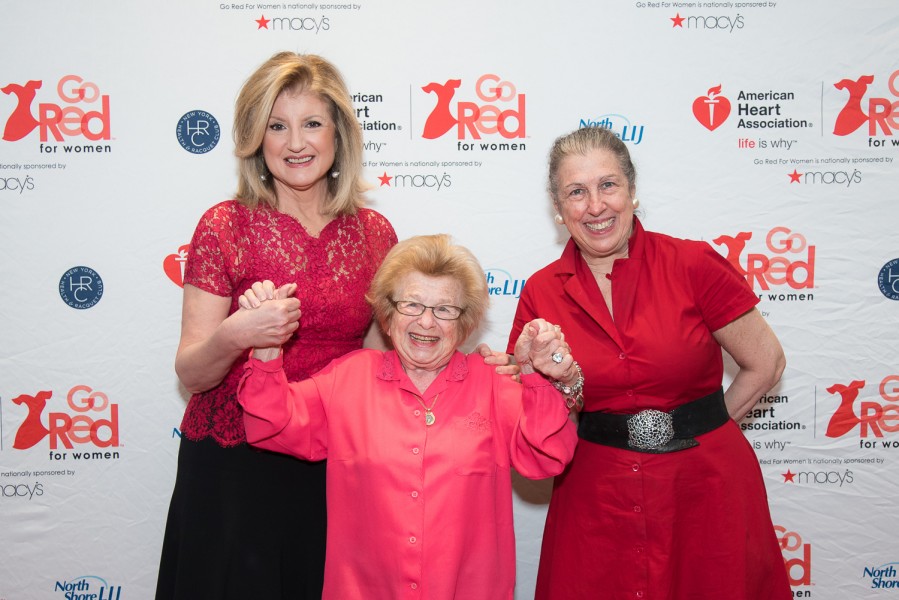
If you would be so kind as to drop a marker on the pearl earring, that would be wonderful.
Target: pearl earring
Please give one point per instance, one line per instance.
(558, 219)
(263, 177)
(334, 174)
(636, 203)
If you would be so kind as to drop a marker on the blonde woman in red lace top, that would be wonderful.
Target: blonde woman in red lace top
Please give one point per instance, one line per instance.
(245, 523)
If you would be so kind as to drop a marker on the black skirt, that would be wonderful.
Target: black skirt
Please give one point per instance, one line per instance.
(243, 523)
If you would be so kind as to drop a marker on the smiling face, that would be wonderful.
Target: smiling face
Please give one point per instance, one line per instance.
(596, 203)
(425, 342)
(299, 143)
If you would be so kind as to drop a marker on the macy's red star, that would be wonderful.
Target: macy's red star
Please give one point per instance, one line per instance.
(678, 21)
(262, 22)
(385, 179)
(788, 476)
(794, 176)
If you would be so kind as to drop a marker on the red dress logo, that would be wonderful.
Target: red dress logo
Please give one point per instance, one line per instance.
(21, 122)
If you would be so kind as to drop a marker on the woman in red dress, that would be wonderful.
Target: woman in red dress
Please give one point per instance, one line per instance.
(664, 499)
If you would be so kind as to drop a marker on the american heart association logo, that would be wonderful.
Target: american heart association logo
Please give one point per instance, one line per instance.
(711, 110)
(173, 265)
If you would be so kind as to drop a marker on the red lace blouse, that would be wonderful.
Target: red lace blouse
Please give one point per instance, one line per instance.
(234, 246)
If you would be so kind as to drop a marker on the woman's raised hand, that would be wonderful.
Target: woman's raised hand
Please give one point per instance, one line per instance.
(542, 347)
(271, 315)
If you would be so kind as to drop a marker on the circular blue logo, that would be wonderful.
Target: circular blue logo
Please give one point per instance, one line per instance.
(198, 132)
(81, 287)
(888, 279)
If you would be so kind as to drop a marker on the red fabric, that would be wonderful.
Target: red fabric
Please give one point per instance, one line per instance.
(414, 511)
(234, 246)
(626, 525)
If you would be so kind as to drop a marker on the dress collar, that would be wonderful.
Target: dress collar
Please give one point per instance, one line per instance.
(571, 255)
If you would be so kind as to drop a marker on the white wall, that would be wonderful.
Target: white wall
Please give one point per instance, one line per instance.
(817, 241)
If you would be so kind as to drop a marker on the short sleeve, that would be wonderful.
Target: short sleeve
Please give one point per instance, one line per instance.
(213, 252)
(381, 236)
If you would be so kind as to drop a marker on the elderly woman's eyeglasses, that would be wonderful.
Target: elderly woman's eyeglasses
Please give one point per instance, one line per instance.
(445, 312)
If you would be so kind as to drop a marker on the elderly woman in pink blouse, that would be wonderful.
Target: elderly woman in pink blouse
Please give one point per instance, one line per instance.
(420, 440)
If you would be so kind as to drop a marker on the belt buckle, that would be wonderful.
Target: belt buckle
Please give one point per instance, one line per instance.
(649, 429)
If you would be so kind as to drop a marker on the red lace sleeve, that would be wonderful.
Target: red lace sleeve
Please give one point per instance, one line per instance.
(213, 251)
(382, 237)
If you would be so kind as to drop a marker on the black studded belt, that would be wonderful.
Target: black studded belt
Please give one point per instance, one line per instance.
(655, 431)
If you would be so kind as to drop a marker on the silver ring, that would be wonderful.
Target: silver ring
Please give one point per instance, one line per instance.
(557, 357)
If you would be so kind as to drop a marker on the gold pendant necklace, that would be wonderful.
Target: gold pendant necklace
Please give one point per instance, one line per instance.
(429, 416)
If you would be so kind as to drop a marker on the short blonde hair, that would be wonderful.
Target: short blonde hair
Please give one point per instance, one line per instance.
(581, 141)
(288, 71)
(434, 256)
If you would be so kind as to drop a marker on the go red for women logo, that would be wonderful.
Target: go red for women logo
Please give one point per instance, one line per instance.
(797, 556)
(881, 114)
(789, 259)
(81, 111)
(873, 417)
(89, 419)
(498, 110)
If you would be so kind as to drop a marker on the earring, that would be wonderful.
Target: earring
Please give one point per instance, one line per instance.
(334, 174)
(263, 177)
(558, 219)
(636, 203)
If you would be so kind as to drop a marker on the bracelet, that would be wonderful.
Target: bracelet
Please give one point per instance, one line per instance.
(574, 394)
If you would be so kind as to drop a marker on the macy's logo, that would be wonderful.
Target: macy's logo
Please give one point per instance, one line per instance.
(69, 429)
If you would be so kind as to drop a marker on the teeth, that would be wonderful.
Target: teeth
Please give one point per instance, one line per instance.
(298, 161)
(422, 338)
(599, 226)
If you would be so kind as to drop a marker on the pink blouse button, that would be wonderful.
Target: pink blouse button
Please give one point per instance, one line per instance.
(630, 392)
(415, 494)
(640, 594)
(638, 508)
(635, 467)
(412, 540)
(415, 450)
(638, 549)
(414, 586)
(417, 413)
(622, 356)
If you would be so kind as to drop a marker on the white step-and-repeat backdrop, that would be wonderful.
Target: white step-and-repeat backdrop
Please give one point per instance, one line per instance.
(769, 129)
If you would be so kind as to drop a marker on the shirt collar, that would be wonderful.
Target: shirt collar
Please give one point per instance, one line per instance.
(392, 370)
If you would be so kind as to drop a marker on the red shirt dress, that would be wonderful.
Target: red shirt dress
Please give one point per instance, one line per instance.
(626, 525)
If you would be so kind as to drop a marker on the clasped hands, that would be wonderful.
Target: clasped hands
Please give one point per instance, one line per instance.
(275, 316)
(542, 347)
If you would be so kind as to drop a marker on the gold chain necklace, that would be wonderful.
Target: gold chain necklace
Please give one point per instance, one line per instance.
(429, 416)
